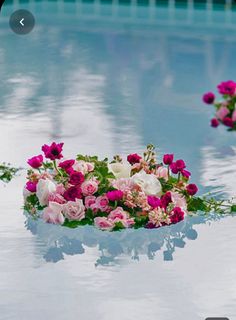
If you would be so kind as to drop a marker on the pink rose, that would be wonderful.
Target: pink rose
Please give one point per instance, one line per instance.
(119, 215)
(82, 166)
(74, 210)
(89, 187)
(53, 213)
(103, 223)
(222, 112)
(102, 203)
(178, 200)
(56, 197)
(90, 166)
(89, 202)
(234, 116)
(162, 172)
(123, 184)
(60, 189)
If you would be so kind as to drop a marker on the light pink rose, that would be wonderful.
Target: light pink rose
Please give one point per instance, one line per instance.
(60, 189)
(53, 213)
(56, 197)
(83, 166)
(103, 223)
(90, 166)
(119, 215)
(179, 200)
(102, 203)
(89, 187)
(234, 116)
(123, 184)
(74, 210)
(162, 172)
(222, 112)
(89, 201)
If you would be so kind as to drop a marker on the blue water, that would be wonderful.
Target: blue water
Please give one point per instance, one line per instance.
(105, 80)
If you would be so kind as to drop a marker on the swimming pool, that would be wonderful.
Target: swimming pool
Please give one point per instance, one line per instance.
(123, 76)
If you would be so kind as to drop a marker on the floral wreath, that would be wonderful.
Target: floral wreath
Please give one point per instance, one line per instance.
(137, 192)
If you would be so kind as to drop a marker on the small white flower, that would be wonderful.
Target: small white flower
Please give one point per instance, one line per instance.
(120, 170)
(44, 188)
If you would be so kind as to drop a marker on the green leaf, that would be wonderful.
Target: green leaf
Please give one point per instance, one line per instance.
(233, 208)
(75, 224)
(118, 226)
(197, 204)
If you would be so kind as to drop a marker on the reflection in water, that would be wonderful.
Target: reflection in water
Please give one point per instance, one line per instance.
(219, 170)
(114, 247)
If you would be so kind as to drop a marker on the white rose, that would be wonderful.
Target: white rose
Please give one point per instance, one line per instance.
(44, 188)
(148, 182)
(120, 170)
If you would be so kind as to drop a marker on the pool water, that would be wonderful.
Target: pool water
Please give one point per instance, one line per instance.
(108, 79)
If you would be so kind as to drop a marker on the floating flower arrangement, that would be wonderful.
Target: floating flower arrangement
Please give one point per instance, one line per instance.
(132, 193)
(225, 109)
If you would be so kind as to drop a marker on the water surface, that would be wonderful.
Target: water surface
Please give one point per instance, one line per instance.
(105, 80)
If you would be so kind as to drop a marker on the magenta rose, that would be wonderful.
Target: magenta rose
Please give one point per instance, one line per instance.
(177, 215)
(53, 151)
(208, 98)
(76, 178)
(186, 174)
(228, 122)
(36, 162)
(31, 186)
(168, 159)
(115, 195)
(166, 199)
(227, 88)
(214, 123)
(154, 201)
(134, 158)
(177, 166)
(67, 165)
(72, 193)
(192, 189)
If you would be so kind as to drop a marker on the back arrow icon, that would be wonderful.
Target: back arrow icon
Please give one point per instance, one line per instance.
(21, 22)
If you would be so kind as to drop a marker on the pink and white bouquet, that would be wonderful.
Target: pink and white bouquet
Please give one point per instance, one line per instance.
(136, 192)
(225, 109)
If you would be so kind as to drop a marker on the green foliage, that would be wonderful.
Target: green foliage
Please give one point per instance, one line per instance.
(7, 172)
(32, 203)
(140, 222)
(75, 224)
(197, 204)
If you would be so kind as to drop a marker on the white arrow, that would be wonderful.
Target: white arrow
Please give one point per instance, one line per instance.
(21, 22)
